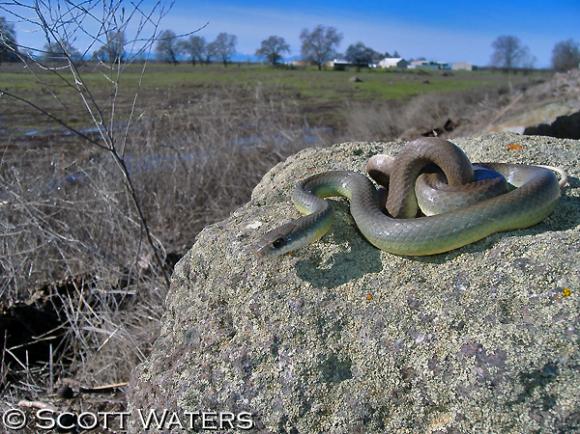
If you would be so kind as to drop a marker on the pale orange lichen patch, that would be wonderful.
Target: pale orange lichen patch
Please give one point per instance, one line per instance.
(566, 292)
(369, 297)
(515, 147)
(439, 422)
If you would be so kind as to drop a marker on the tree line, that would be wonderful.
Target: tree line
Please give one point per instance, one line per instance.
(318, 46)
(510, 53)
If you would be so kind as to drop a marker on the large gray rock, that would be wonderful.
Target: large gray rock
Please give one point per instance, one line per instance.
(344, 338)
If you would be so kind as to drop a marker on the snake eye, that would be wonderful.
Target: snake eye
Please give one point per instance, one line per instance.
(278, 242)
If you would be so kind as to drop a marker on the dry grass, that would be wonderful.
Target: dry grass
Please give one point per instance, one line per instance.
(408, 119)
(73, 250)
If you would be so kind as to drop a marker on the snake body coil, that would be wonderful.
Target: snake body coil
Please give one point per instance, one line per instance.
(534, 197)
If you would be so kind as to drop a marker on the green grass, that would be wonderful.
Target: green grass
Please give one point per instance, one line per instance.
(323, 87)
(321, 84)
(313, 89)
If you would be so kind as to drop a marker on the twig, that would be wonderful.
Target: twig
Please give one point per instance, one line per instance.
(36, 404)
(106, 388)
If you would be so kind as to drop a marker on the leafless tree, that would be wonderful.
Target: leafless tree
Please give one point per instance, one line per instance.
(167, 48)
(60, 51)
(566, 55)
(320, 44)
(273, 48)
(360, 54)
(8, 46)
(223, 47)
(195, 47)
(509, 53)
(113, 50)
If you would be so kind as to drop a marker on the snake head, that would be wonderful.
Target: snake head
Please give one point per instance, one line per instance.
(281, 240)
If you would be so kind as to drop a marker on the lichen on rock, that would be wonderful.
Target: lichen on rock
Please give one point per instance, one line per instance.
(344, 338)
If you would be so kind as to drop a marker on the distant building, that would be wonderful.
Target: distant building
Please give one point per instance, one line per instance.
(393, 62)
(343, 64)
(415, 64)
(297, 63)
(462, 66)
(338, 64)
(444, 66)
(429, 65)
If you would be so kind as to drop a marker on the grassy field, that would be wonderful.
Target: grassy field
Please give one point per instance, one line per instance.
(321, 95)
(387, 84)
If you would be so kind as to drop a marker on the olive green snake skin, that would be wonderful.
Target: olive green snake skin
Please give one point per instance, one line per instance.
(531, 193)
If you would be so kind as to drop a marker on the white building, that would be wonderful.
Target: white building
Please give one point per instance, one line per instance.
(337, 63)
(462, 66)
(429, 65)
(393, 62)
(414, 64)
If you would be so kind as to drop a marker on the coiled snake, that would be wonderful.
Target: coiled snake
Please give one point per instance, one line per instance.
(475, 201)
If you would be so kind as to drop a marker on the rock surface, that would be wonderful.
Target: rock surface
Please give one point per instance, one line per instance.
(344, 338)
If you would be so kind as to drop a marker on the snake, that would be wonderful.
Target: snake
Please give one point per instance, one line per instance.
(521, 196)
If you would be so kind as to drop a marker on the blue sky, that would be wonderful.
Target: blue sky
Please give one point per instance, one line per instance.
(439, 30)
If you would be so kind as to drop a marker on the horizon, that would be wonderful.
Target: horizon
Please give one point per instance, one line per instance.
(453, 32)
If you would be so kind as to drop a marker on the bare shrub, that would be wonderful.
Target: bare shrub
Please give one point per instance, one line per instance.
(87, 228)
(77, 248)
(190, 166)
